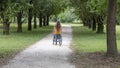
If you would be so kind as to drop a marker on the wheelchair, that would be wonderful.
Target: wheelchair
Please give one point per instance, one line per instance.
(57, 39)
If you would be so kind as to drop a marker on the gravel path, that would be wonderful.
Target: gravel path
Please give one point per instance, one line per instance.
(45, 55)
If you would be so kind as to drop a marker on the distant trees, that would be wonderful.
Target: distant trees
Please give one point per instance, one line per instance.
(68, 15)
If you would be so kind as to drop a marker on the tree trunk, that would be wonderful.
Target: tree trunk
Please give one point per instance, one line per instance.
(84, 22)
(89, 24)
(19, 22)
(35, 22)
(100, 28)
(6, 25)
(40, 20)
(14, 19)
(111, 31)
(44, 21)
(47, 20)
(94, 24)
(30, 18)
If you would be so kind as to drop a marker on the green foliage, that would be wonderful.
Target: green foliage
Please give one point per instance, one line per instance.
(48, 7)
(22, 5)
(53, 18)
(9, 8)
(87, 9)
(67, 16)
(84, 8)
(6, 9)
(97, 6)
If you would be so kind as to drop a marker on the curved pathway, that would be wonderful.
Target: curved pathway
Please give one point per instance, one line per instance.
(45, 55)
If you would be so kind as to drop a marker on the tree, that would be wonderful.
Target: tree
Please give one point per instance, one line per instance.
(6, 9)
(111, 31)
(37, 5)
(30, 14)
(35, 13)
(21, 7)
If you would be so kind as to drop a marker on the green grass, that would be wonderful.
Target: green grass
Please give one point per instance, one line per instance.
(86, 40)
(16, 42)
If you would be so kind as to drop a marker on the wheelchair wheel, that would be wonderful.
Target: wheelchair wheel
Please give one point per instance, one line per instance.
(60, 42)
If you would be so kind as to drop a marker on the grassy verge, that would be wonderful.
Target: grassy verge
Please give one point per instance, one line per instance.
(15, 42)
(85, 40)
(89, 49)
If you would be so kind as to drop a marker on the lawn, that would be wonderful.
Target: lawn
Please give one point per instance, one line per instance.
(90, 48)
(86, 40)
(15, 42)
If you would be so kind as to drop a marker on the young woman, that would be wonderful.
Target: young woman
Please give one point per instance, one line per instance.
(57, 31)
